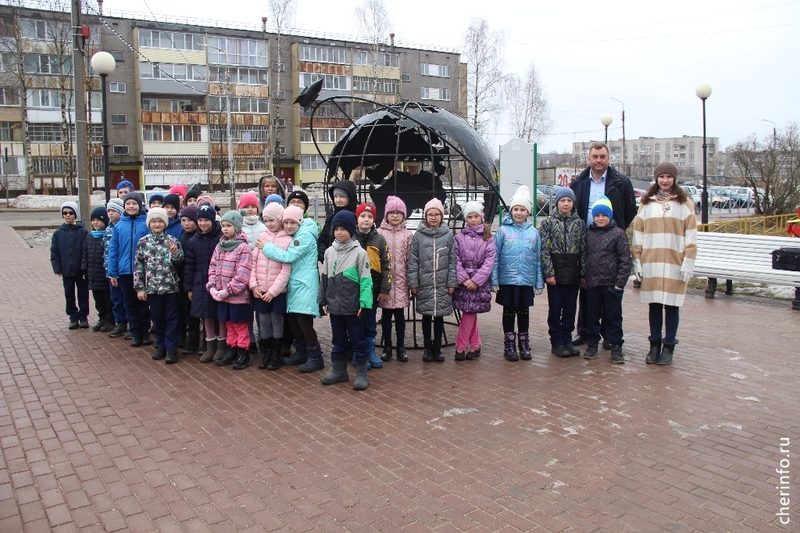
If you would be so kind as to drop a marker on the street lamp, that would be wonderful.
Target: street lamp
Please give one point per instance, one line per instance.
(104, 64)
(624, 159)
(703, 91)
(774, 130)
(606, 121)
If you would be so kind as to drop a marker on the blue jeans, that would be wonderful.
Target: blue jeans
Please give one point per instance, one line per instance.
(348, 333)
(601, 301)
(71, 285)
(562, 302)
(164, 309)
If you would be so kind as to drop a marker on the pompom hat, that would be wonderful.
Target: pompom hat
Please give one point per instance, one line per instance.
(234, 217)
(434, 203)
(472, 207)
(522, 197)
(248, 198)
(603, 207)
(394, 203)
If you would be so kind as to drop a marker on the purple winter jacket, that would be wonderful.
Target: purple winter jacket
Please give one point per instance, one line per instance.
(474, 260)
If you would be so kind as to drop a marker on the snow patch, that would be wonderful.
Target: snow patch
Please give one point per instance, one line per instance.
(495, 422)
(538, 412)
(738, 376)
(749, 398)
(458, 411)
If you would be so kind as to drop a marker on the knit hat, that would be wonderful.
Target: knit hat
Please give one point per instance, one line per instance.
(174, 200)
(156, 196)
(521, 198)
(298, 194)
(248, 198)
(273, 210)
(234, 217)
(115, 204)
(472, 207)
(345, 219)
(394, 203)
(207, 212)
(293, 213)
(100, 213)
(178, 188)
(70, 205)
(190, 212)
(603, 207)
(434, 203)
(666, 168)
(339, 191)
(273, 198)
(124, 184)
(159, 213)
(194, 192)
(206, 199)
(369, 208)
(135, 196)
(564, 192)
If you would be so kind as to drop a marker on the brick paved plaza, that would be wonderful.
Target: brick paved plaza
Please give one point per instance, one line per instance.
(95, 436)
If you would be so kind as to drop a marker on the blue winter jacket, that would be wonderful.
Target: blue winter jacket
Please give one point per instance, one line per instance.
(518, 255)
(174, 228)
(122, 248)
(303, 286)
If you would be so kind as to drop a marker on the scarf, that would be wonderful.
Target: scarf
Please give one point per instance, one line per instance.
(663, 196)
(98, 233)
(229, 245)
(251, 220)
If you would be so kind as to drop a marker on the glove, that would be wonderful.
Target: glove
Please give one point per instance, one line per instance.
(221, 295)
(495, 288)
(538, 292)
(619, 292)
(638, 276)
(686, 276)
(213, 292)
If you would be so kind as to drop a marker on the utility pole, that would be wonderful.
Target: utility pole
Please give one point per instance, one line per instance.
(624, 161)
(79, 92)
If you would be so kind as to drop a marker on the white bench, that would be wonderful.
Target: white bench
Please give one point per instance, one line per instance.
(735, 257)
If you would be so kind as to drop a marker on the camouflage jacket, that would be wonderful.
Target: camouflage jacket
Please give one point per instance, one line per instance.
(155, 270)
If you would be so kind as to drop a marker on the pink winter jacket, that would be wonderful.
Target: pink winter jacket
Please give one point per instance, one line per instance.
(230, 271)
(398, 238)
(269, 275)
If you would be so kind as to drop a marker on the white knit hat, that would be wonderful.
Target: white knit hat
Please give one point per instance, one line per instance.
(157, 212)
(522, 198)
(474, 206)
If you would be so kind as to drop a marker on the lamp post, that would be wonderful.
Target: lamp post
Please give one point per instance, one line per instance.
(624, 160)
(606, 121)
(104, 64)
(703, 91)
(774, 131)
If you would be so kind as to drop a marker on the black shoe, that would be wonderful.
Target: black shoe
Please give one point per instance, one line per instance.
(616, 354)
(437, 351)
(265, 347)
(606, 345)
(402, 356)
(147, 341)
(108, 327)
(182, 340)
(119, 330)
(84, 322)
(227, 358)
(580, 340)
(128, 335)
(461, 356)
(253, 347)
(560, 351)
(573, 351)
(172, 357)
(427, 353)
(591, 351)
(73, 324)
(474, 354)
(387, 352)
(136, 342)
(666, 353)
(98, 326)
(242, 359)
(654, 353)
(192, 343)
(299, 357)
(159, 354)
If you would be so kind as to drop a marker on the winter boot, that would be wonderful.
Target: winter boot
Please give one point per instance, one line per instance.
(211, 349)
(560, 351)
(362, 379)
(510, 346)
(172, 357)
(265, 347)
(314, 361)
(159, 354)
(338, 373)
(253, 347)
(228, 356)
(299, 357)
(654, 353)
(191, 344)
(222, 349)
(524, 346)
(136, 342)
(427, 353)
(276, 359)
(286, 348)
(591, 351)
(474, 353)
(461, 355)
(437, 351)
(99, 325)
(402, 356)
(573, 351)
(203, 345)
(666, 353)
(386, 355)
(182, 339)
(108, 327)
(242, 359)
(616, 354)
(147, 340)
(374, 361)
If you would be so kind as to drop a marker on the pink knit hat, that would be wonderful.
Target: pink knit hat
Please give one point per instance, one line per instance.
(178, 188)
(206, 199)
(248, 198)
(293, 213)
(434, 204)
(273, 210)
(393, 203)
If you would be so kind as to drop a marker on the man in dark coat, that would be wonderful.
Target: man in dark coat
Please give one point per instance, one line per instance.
(599, 179)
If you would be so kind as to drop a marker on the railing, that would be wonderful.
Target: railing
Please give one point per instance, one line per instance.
(771, 225)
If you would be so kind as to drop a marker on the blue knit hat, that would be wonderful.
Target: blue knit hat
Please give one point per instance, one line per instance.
(274, 198)
(603, 207)
(100, 213)
(345, 219)
(156, 196)
(124, 184)
(115, 204)
(207, 212)
(564, 192)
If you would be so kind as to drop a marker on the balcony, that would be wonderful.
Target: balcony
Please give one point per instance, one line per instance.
(183, 117)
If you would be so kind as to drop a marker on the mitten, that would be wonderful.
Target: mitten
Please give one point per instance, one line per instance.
(221, 295)
(538, 292)
(686, 276)
(213, 292)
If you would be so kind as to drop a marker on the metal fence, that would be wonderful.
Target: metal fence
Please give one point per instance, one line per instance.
(770, 225)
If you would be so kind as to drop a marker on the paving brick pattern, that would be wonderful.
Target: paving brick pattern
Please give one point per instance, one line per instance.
(95, 436)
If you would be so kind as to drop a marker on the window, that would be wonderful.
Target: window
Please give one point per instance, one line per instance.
(176, 106)
(117, 87)
(149, 105)
(7, 130)
(331, 82)
(46, 98)
(382, 85)
(46, 64)
(240, 75)
(171, 133)
(279, 67)
(324, 54)
(430, 93)
(170, 70)
(240, 134)
(428, 69)
(9, 96)
(51, 133)
(312, 162)
(324, 135)
(339, 110)
(239, 104)
(43, 30)
(171, 40)
(231, 51)
(363, 57)
(121, 149)
(118, 57)
(280, 95)
(119, 119)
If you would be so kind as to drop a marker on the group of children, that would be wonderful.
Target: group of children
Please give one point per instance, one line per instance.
(179, 264)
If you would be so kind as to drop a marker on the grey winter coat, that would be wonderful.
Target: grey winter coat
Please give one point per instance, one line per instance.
(608, 257)
(432, 269)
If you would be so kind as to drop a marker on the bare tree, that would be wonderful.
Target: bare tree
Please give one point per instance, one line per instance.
(483, 50)
(282, 12)
(375, 27)
(527, 104)
(772, 169)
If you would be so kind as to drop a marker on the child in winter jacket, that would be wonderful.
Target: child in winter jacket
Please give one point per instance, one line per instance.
(66, 248)
(188, 326)
(398, 239)
(563, 267)
(121, 259)
(432, 276)
(517, 272)
(228, 280)
(345, 294)
(474, 263)
(252, 227)
(199, 251)
(268, 281)
(92, 265)
(114, 209)
(172, 205)
(156, 282)
(343, 197)
(380, 267)
(608, 265)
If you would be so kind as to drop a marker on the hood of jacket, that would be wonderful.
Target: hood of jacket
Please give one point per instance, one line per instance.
(388, 227)
(281, 189)
(350, 188)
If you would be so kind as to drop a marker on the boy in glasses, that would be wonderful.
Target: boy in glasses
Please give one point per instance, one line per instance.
(66, 248)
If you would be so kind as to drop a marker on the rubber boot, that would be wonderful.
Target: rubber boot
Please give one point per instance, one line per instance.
(362, 379)
(222, 349)
(666, 353)
(242, 358)
(427, 353)
(276, 359)
(182, 339)
(338, 373)
(172, 357)
(315, 361)
(374, 361)
(211, 349)
(265, 347)
(228, 356)
(654, 353)
(402, 356)
(192, 342)
(437, 351)
(510, 346)
(523, 339)
(299, 356)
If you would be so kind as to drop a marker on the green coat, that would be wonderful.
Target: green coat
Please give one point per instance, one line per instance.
(303, 287)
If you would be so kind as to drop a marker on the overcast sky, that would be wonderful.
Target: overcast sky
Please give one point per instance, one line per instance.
(649, 55)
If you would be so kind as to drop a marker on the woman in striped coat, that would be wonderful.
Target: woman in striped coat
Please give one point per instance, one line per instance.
(664, 250)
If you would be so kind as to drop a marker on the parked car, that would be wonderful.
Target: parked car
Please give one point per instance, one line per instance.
(545, 195)
(638, 193)
(743, 197)
(697, 197)
(720, 198)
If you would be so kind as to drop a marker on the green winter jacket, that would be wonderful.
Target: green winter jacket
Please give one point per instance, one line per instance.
(563, 248)
(346, 284)
(155, 269)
